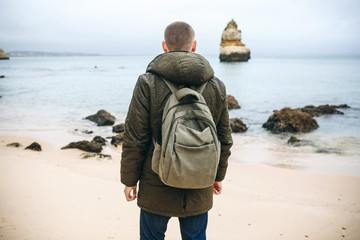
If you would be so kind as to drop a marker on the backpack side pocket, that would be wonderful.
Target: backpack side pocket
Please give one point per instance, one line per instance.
(155, 160)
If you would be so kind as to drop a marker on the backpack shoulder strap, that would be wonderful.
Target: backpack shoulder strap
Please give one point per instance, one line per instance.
(174, 87)
(201, 88)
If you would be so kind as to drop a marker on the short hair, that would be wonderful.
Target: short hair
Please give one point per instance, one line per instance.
(179, 36)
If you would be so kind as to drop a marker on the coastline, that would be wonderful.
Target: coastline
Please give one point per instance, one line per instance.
(263, 150)
(107, 83)
(54, 194)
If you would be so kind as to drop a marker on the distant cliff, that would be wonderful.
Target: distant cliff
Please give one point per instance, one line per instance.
(231, 47)
(3, 54)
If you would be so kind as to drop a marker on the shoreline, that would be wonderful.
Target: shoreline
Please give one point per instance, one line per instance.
(54, 194)
(249, 150)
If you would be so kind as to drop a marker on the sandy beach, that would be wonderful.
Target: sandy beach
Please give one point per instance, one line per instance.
(54, 194)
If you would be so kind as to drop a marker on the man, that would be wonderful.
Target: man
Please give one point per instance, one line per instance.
(158, 202)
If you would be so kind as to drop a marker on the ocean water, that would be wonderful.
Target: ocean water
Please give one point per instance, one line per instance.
(55, 94)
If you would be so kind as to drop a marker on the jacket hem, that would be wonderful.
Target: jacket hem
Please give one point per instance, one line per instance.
(171, 214)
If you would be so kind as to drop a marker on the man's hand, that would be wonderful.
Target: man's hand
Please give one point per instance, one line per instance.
(130, 193)
(217, 188)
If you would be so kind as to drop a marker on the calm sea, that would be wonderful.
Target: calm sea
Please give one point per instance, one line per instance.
(51, 95)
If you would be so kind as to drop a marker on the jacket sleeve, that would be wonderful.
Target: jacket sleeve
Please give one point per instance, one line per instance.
(137, 134)
(224, 135)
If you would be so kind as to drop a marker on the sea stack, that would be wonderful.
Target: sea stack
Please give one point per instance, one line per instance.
(231, 47)
(3, 55)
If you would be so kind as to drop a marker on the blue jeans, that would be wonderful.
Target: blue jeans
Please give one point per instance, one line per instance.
(153, 227)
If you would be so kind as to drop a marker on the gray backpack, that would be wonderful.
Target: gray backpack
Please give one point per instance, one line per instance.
(189, 155)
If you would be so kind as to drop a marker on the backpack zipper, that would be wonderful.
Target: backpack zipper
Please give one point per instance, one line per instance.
(180, 104)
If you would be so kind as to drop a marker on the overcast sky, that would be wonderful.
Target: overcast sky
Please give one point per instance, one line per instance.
(269, 27)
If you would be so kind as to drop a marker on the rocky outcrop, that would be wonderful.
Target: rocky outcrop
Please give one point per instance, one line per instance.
(231, 47)
(34, 146)
(99, 140)
(295, 142)
(14, 144)
(237, 126)
(3, 55)
(102, 118)
(232, 102)
(323, 109)
(94, 146)
(95, 155)
(119, 128)
(118, 139)
(329, 150)
(85, 146)
(290, 120)
(84, 131)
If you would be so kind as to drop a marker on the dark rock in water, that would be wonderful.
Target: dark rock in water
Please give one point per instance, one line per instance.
(241, 56)
(232, 102)
(323, 109)
(34, 146)
(290, 120)
(119, 128)
(97, 155)
(14, 144)
(2, 76)
(102, 118)
(94, 146)
(237, 126)
(329, 150)
(85, 131)
(85, 146)
(99, 140)
(118, 139)
(341, 106)
(293, 140)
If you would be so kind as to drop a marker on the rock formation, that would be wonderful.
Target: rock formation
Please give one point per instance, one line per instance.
(119, 128)
(231, 47)
(290, 120)
(329, 150)
(14, 144)
(295, 142)
(118, 139)
(323, 109)
(84, 131)
(102, 118)
(99, 140)
(3, 55)
(85, 146)
(34, 146)
(96, 155)
(237, 126)
(94, 146)
(232, 102)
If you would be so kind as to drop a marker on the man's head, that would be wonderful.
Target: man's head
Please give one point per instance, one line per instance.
(179, 36)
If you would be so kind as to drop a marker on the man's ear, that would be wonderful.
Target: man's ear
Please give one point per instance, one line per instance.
(164, 47)
(193, 48)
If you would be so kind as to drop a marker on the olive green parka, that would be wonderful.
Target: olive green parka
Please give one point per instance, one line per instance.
(144, 121)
